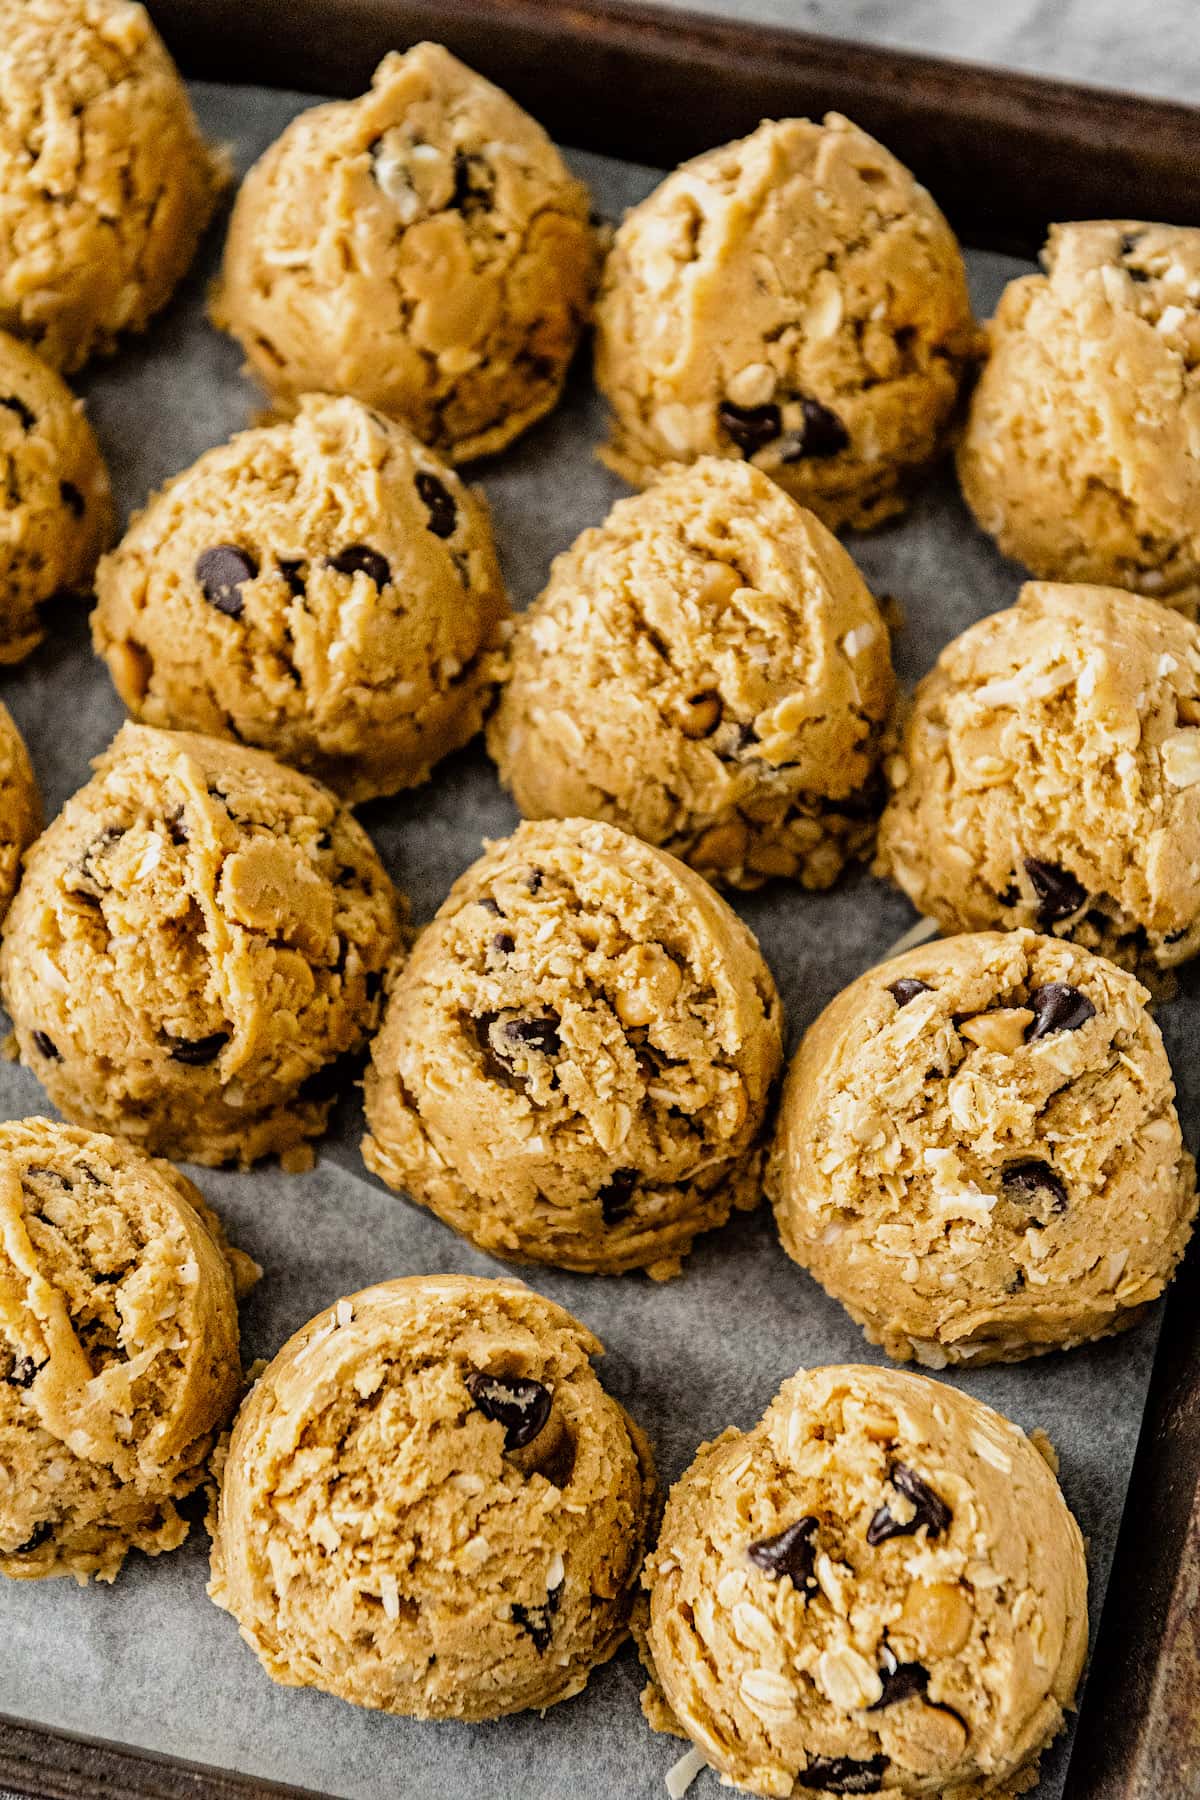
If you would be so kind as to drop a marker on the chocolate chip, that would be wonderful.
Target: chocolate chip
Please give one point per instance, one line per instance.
(843, 1774)
(616, 1196)
(221, 572)
(1130, 241)
(361, 559)
(490, 906)
(534, 880)
(290, 569)
(438, 503)
(45, 1046)
(504, 942)
(72, 498)
(531, 1034)
(928, 1509)
(332, 1078)
(24, 1372)
(821, 433)
(195, 1052)
(28, 419)
(792, 1552)
(538, 1621)
(1057, 1007)
(1059, 894)
(37, 1536)
(750, 427)
(474, 183)
(900, 1680)
(521, 1406)
(1010, 896)
(1024, 1181)
(907, 988)
(176, 828)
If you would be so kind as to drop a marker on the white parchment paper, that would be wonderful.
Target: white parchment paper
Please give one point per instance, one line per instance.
(149, 1661)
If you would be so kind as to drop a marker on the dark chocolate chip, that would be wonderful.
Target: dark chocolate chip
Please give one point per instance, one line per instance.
(750, 427)
(1010, 896)
(1059, 894)
(24, 1372)
(1024, 1181)
(28, 419)
(504, 942)
(534, 880)
(792, 1552)
(37, 1536)
(332, 1078)
(907, 988)
(531, 1034)
(221, 573)
(45, 1046)
(290, 569)
(929, 1509)
(360, 558)
(438, 503)
(843, 1774)
(491, 906)
(821, 434)
(176, 828)
(538, 1621)
(195, 1052)
(474, 183)
(616, 1196)
(1057, 1007)
(900, 1680)
(72, 498)
(521, 1406)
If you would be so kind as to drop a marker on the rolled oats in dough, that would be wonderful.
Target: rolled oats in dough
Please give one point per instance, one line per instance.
(1082, 452)
(324, 588)
(795, 298)
(118, 1349)
(978, 1153)
(577, 1060)
(1049, 776)
(105, 181)
(424, 248)
(57, 512)
(708, 670)
(198, 949)
(431, 1506)
(20, 807)
(877, 1590)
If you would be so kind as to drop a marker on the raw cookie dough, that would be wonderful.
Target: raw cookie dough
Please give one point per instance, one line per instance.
(118, 1349)
(977, 1151)
(105, 181)
(1050, 776)
(708, 670)
(795, 298)
(198, 949)
(1082, 452)
(576, 1062)
(431, 1506)
(20, 807)
(424, 247)
(57, 513)
(323, 588)
(877, 1590)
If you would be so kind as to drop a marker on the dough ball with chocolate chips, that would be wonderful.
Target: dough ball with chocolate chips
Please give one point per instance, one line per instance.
(119, 1355)
(708, 670)
(796, 299)
(431, 1506)
(57, 510)
(877, 1590)
(323, 588)
(424, 248)
(1082, 452)
(105, 181)
(1050, 776)
(576, 1063)
(197, 950)
(977, 1151)
(20, 807)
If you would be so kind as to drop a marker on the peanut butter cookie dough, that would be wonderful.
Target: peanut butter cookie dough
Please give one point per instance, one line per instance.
(978, 1153)
(1082, 451)
(877, 1590)
(576, 1062)
(431, 1506)
(708, 670)
(105, 181)
(794, 298)
(118, 1349)
(324, 588)
(197, 949)
(1050, 776)
(20, 807)
(424, 248)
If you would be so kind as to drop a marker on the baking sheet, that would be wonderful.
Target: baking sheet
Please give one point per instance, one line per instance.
(150, 1661)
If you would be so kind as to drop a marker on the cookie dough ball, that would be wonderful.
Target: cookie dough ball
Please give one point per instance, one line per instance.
(708, 670)
(198, 949)
(977, 1151)
(424, 247)
(20, 807)
(431, 1506)
(576, 1062)
(118, 1349)
(879, 1589)
(1082, 452)
(324, 588)
(57, 513)
(105, 181)
(1050, 777)
(794, 298)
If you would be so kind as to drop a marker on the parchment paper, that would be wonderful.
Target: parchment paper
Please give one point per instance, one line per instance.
(149, 1661)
